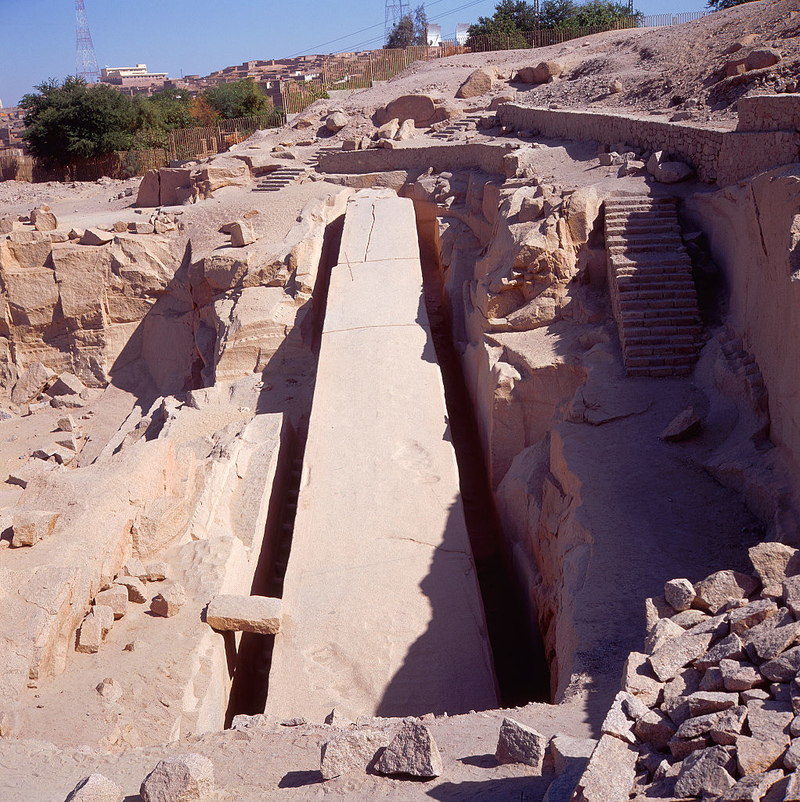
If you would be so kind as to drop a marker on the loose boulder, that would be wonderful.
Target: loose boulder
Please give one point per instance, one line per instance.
(478, 83)
(259, 614)
(96, 788)
(518, 743)
(541, 73)
(169, 601)
(149, 189)
(761, 58)
(349, 752)
(412, 751)
(31, 526)
(336, 121)
(406, 131)
(182, 778)
(419, 108)
(96, 236)
(242, 233)
(389, 130)
(684, 426)
(44, 220)
(31, 382)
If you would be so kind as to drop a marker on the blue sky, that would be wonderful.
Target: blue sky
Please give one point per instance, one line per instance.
(37, 37)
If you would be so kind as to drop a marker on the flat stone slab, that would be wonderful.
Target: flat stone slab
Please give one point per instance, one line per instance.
(258, 614)
(381, 609)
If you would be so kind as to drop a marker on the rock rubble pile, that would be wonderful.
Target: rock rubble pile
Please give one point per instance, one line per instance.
(711, 708)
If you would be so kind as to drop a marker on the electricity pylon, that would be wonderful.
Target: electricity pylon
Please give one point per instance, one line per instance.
(85, 58)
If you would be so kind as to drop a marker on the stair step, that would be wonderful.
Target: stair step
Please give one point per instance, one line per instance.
(633, 330)
(646, 243)
(659, 373)
(632, 319)
(654, 341)
(648, 248)
(657, 361)
(674, 275)
(640, 350)
(622, 204)
(658, 290)
(634, 228)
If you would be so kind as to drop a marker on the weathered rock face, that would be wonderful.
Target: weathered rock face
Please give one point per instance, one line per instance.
(96, 788)
(752, 230)
(521, 282)
(73, 307)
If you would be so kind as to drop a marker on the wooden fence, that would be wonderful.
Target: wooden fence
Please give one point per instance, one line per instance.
(358, 72)
(16, 166)
(363, 69)
(184, 144)
(196, 143)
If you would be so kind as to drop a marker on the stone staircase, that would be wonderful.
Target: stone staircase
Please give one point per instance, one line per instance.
(460, 126)
(279, 179)
(652, 291)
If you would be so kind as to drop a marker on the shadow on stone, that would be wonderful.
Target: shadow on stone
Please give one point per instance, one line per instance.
(298, 779)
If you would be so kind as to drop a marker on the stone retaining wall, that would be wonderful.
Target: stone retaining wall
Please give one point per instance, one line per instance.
(769, 113)
(458, 156)
(718, 155)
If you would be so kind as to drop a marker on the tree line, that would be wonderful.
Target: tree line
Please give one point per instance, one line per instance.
(513, 18)
(70, 120)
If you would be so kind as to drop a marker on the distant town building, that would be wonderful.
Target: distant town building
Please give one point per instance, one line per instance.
(12, 124)
(133, 80)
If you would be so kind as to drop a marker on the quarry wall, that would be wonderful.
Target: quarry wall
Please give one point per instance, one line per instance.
(754, 231)
(717, 155)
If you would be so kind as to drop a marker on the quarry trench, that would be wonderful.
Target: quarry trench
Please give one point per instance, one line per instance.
(528, 666)
(517, 650)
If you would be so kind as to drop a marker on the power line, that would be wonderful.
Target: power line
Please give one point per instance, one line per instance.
(374, 40)
(317, 48)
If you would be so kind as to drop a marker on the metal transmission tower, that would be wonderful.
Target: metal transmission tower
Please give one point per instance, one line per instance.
(85, 58)
(395, 10)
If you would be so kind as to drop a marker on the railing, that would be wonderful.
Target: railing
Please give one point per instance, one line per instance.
(662, 20)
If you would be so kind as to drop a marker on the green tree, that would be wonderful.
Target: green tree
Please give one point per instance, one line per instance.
(557, 13)
(238, 99)
(602, 14)
(402, 35)
(515, 18)
(410, 30)
(161, 113)
(509, 16)
(70, 120)
(718, 5)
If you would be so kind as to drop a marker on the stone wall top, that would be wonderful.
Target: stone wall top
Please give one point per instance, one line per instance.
(769, 113)
(483, 156)
(717, 154)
